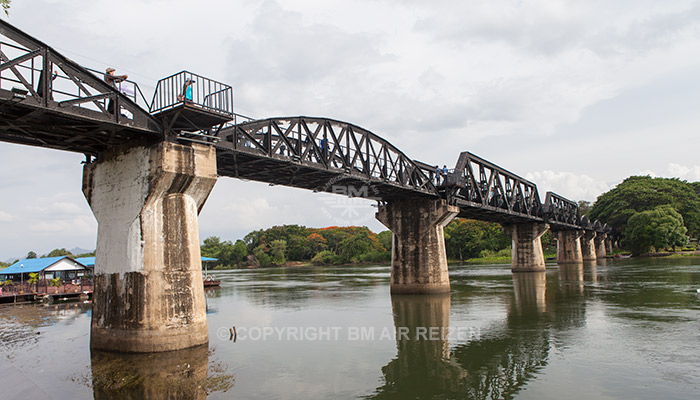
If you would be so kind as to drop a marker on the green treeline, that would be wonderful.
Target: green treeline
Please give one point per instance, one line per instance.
(280, 244)
(469, 238)
(464, 239)
(652, 213)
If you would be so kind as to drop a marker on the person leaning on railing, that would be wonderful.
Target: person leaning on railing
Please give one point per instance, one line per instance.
(112, 80)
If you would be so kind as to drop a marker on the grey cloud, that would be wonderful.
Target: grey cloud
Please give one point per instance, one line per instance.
(596, 26)
(642, 36)
(536, 30)
(284, 48)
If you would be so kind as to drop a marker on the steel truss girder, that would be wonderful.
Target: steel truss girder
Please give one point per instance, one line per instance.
(82, 105)
(343, 150)
(479, 184)
(562, 212)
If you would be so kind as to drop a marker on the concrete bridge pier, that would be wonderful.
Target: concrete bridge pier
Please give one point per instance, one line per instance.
(569, 246)
(600, 246)
(148, 294)
(588, 246)
(418, 258)
(609, 244)
(527, 255)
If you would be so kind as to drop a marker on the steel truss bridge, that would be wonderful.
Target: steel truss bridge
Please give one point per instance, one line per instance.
(48, 100)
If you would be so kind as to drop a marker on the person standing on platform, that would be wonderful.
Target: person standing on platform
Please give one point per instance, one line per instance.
(186, 94)
(112, 80)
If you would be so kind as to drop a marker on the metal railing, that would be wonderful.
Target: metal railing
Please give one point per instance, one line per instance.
(54, 81)
(204, 93)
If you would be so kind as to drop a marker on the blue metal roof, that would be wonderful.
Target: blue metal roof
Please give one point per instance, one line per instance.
(209, 259)
(32, 265)
(86, 261)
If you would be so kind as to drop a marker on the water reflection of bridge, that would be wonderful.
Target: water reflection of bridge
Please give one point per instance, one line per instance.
(494, 363)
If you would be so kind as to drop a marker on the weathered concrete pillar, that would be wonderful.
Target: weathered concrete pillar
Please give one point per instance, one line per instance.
(148, 286)
(588, 246)
(418, 258)
(527, 255)
(600, 247)
(609, 244)
(569, 246)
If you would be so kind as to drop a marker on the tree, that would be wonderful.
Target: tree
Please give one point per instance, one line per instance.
(351, 248)
(642, 193)
(31, 254)
(56, 282)
(386, 238)
(261, 255)
(584, 207)
(59, 252)
(467, 238)
(239, 252)
(211, 247)
(277, 251)
(316, 243)
(549, 242)
(6, 6)
(33, 279)
(252, 240)
(334, 235)
(228, 254)
(659, 228)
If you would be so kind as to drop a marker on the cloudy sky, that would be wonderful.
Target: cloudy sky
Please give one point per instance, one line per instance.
(575, 96)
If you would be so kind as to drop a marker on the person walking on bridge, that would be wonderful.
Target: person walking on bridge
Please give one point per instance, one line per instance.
(112, 80)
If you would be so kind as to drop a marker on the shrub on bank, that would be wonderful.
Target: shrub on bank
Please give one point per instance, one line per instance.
(325, 257)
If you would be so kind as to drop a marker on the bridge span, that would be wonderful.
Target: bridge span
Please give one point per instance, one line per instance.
(150, 167)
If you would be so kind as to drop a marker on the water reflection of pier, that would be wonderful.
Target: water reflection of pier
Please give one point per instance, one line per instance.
(183, 374)
(178, 374)
(496, 363)
(423, 367)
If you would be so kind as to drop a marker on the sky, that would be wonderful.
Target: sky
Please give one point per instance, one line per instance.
(574, 96)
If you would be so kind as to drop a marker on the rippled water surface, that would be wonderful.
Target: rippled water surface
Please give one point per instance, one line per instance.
(626, 329)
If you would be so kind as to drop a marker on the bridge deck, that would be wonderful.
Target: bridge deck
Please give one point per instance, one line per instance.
(70, 128)
(283, 171)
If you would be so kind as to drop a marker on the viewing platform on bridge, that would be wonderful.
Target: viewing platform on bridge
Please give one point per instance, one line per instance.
(190, 102)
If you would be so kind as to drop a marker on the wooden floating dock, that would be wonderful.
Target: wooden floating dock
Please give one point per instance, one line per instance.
(70, 293)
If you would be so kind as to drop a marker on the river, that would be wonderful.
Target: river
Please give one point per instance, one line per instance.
(616, 329)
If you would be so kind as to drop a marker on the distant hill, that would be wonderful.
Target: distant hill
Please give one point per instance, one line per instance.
(78, 250)
(75, 251)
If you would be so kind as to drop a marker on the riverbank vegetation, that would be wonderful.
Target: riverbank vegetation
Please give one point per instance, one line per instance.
(465, 241)
(653, 214)
(281, 244)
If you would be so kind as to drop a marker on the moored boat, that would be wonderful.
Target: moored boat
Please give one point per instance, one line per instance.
(209, 281)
